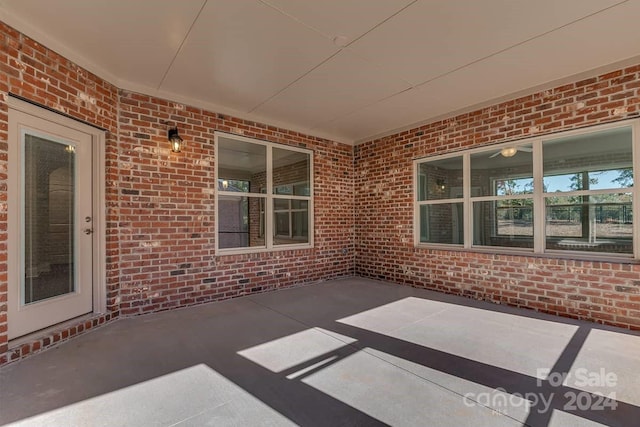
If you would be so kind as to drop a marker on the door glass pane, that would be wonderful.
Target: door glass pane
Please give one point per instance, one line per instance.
(49, 223)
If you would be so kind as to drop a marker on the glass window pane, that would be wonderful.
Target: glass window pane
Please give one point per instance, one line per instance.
(299, 204)
(242, 165)
(503, 172)
(282, 224)
(49, 220)
(599, 160)
(442, 223)
(507, 223)
(440, 179)
(291, 171)
(300, 226)
(590, 180)
(290, 222)
(279, 204)
(241, 220)
(235, 185)
(596, 223)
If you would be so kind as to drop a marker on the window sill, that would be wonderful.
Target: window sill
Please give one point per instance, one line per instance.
(550, 254)
(279, 248)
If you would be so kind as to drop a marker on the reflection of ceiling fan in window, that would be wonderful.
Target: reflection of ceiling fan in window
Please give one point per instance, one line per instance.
(511, 151)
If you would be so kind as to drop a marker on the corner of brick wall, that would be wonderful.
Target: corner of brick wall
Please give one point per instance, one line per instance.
(602, 292)
(166, 221)
(160, 205)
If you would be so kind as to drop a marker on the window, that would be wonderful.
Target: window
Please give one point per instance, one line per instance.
(502, 203)
(264, 195)
(569, 193)
(440, 192)
(588, 192)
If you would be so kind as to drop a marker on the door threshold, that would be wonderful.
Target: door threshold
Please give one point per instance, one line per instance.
(32, 336)
(50, 337)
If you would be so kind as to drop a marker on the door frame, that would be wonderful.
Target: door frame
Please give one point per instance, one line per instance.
(99, 289)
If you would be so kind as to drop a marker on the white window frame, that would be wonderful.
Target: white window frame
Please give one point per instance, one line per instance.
(268, 197)
(538, 196)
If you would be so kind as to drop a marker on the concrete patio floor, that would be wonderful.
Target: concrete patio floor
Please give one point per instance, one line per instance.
(344, 352)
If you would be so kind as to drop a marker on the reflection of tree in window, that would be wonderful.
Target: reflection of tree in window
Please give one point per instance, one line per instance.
(625, 178)
(513, 186)
(585, 210)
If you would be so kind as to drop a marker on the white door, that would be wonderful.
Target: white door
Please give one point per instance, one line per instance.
(51, 223)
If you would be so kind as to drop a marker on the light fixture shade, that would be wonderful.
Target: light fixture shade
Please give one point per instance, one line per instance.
(509, 151)
(175, 140)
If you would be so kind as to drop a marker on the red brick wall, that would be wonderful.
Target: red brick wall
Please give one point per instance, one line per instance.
(167, 211)
(30, 70)
(604, 292)
(160, 230)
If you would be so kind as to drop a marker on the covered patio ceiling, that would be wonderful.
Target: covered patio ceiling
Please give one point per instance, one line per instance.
(348, 70)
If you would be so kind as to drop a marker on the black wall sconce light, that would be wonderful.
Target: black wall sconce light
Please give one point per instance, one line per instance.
(177, 143)
(441, 184)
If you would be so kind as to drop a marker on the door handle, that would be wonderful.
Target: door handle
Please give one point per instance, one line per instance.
(87, 231)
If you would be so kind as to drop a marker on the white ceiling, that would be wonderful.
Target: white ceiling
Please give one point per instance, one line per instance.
(347, 70)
